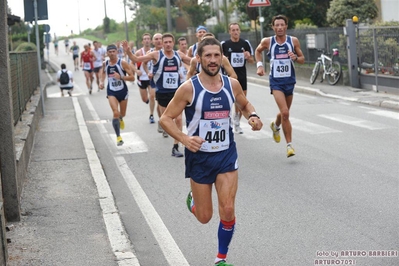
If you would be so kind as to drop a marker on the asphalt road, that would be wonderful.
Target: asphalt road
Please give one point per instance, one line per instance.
(339, 193)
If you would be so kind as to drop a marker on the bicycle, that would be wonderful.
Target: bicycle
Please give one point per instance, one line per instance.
(331, 68)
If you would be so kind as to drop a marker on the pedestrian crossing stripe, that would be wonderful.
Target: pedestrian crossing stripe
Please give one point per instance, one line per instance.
(310, 127)
(385, 114)
(353, 121)
(132, 143)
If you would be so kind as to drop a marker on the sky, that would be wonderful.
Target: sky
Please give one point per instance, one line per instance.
(67, 15)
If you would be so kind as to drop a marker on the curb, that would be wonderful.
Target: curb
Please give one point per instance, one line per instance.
(386, 103)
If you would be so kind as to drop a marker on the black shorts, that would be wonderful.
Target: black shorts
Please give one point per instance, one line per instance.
(143, 84)
(96, 69)
(243, 82)
(164, 98)
(67, 88)
(75, 56)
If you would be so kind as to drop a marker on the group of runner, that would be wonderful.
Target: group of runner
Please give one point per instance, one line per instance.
(205, 81)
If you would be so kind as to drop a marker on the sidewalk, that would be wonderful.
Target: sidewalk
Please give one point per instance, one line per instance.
(62, 209)
(62, 212)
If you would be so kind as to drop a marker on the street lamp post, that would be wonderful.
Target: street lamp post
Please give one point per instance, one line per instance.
(80, 32)
(105, 8)
(126, 30)
(169, 19)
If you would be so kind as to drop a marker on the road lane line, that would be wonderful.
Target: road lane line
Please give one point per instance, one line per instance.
(120, 243)
(167, 244)
(161, 233)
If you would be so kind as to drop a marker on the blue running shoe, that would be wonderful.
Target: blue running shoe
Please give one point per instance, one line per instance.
(152, 120)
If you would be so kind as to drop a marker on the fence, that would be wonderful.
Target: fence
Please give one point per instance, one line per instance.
(378, 46)
(24, 80)
(309, 39)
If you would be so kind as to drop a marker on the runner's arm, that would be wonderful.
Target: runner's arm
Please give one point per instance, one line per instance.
(175, 107)
(228, 68)
(102, 76)
(263, 45)
(130, 74)
(298, 57)
(192, 69)
(245, 106)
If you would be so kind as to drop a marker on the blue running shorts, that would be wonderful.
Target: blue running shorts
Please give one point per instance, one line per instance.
(203, 167)
(119, 95)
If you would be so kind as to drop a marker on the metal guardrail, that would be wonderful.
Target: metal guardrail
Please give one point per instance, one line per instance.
(24, 80)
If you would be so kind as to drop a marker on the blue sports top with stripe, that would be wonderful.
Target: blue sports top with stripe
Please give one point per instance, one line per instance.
(208, 115)
(194, 51)
(113, 83)
(282, 69)
(166, 72)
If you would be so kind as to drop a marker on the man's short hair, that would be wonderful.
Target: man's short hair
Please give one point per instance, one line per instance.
(181, 39)
(280, 17)
(207, 35)
(63, 66)
(208, 41)
(233, 23)
(145, 34)
(166, 35)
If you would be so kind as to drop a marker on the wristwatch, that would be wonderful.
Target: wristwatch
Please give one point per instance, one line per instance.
(253, 114)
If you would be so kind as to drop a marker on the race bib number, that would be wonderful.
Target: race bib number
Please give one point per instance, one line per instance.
(281, 68)
(216, 135)
(237, 59)
(86, 65)
(115, 84)
(170, 80)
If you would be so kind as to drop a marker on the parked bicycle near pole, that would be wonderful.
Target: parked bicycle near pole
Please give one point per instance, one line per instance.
(331, 68)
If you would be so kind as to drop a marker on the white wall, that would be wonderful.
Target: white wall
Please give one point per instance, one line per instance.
(390, 10)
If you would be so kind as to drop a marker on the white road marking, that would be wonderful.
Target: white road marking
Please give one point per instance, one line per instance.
(165, 240)
(132, 143)
(311, 128)
(384, 113)
(120, 243)
(353, 121)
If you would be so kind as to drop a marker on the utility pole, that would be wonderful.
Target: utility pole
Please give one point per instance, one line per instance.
(169, 19)
(126, 30)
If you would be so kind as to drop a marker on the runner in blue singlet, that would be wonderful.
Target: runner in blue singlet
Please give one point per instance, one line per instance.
(283, 51)
(117, 71)
(211, 155)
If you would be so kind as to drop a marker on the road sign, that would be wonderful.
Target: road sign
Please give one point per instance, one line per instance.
(42, 13)
(254, 3)
(46, 28)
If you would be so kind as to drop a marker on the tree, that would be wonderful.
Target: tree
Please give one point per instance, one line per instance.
(315, 10)
(151, 14)
(341, 10)
(195, 14)
(152, 17)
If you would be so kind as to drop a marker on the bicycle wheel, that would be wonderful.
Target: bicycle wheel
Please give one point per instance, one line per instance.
(334, 73)
(315, 72)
